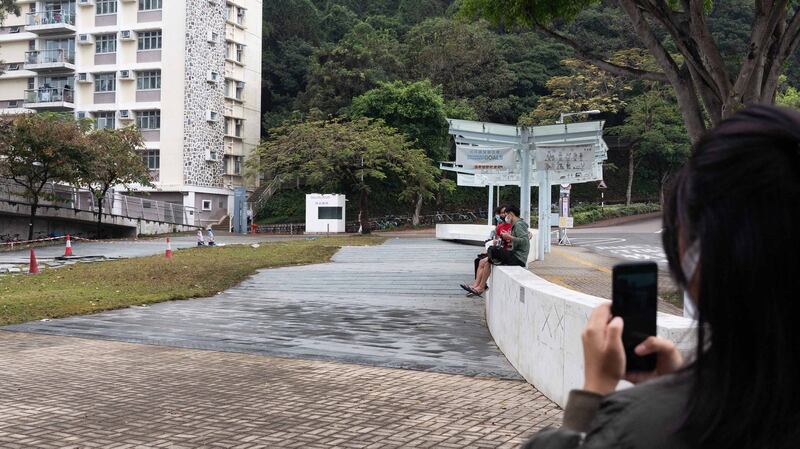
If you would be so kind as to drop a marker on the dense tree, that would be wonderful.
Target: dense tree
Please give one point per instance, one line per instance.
(340, 72)
(417, 110)
(462, 58)
(702, 80)
(654, 134)
(111, 157)
(350, 156)
(38, 149)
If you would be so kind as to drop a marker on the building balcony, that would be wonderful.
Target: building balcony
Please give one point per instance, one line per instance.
(54, 60)
(48, 98)
(50, 22)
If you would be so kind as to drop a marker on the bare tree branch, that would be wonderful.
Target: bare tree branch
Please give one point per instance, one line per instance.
(610, 67)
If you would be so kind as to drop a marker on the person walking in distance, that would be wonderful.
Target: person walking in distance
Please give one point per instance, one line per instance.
(200, 239)
(210, 237)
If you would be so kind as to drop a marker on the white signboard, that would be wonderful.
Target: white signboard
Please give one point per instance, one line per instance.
(487, 159)
(567, 164)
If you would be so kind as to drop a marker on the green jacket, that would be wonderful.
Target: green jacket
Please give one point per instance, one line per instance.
(520, 242)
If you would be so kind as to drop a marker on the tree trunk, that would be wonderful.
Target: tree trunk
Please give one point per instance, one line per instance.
(100, 218)
(363, 212)
(34, 206)
(631, 165)
(417, 211)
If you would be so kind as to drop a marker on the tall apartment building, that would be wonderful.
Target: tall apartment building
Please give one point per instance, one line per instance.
(186, 72)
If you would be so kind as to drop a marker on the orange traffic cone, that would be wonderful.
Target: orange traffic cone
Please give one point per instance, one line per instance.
(168, 254)
(68, 250)
(34, 267)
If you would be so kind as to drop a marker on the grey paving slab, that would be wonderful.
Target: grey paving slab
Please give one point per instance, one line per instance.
(393, 305)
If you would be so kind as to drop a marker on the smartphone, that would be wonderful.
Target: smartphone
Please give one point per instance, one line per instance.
(634, 299)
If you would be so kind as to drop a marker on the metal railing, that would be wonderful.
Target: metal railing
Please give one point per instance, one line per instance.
(49, 95)
(49, 18)
(50, 56)
(128, 206)
(386, 223)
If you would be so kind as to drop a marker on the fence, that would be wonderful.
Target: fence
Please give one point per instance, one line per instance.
(139, 208)
(385, 223)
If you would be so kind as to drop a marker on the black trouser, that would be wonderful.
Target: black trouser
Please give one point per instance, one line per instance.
(500, 256)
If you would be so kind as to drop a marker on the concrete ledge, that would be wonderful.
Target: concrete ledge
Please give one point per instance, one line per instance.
(476, 235)
(538, 325)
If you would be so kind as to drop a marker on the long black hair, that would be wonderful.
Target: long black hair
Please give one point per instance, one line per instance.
(738, 198)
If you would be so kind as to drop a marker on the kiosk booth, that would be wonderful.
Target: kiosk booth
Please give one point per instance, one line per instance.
(325, 213)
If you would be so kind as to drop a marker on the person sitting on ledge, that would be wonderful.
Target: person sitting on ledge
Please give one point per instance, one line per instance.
(518, 237)
(494, 237)
(730, 215)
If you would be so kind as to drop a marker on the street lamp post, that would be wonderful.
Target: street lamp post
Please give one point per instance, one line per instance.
(570, 114)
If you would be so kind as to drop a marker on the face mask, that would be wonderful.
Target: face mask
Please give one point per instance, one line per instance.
(508, 219)
(498, 218)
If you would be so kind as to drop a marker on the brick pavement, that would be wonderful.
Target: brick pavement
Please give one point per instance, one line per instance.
(66, 392)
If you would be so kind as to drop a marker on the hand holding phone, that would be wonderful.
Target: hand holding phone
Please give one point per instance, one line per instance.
(634, 299)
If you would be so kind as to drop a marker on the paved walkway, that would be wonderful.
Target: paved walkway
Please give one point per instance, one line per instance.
(339, 328)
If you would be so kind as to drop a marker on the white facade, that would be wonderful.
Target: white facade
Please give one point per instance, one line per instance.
(187, 73)
(325, 213)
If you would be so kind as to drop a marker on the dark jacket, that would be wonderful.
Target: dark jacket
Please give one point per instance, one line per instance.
(647, 416)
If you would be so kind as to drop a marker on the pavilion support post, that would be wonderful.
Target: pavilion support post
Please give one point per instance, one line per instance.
(544, 229)
(525, 175)
(490, 209)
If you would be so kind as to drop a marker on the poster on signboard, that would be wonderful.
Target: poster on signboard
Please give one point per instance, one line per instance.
(486, 158)
(567, 164)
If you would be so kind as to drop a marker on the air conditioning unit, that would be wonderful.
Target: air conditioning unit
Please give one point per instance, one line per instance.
(84, 77)
(86, 2)
(212, 155)
(82, 115)
(127, 35)
(85, 39)
(212, 116)
(126, 74)
(125, 114)
(212, 77)
(213, 36)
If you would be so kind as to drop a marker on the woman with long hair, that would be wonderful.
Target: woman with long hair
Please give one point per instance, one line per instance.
(731, 223)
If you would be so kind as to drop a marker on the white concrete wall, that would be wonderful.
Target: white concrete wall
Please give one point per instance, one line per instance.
(538, 325)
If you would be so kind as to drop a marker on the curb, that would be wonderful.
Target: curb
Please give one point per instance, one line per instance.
(619, 220)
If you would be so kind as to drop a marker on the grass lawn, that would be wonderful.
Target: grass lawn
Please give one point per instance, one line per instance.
(198, 272)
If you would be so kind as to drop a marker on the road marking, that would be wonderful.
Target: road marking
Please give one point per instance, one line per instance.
(581, 261)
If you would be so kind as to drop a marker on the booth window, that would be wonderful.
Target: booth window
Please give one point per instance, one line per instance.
(329, 213)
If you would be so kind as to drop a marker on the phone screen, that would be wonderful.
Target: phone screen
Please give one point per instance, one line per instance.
(634, 293)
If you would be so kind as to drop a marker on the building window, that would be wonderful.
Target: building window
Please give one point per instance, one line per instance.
(237, 165)
(329, 213)
(227, 88)
(31, 45)
(148, 119)
(152, 159)
(30, 83)
(105, 82)
(106, 7)
(228, 12)
(105, 120)
(225, 126)
(240, 16)
(239, 52)
(150, 80)
(149, 40)
(238, 126)
(106, 43)
(149, 5)
(239, 90)
(206, 205)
